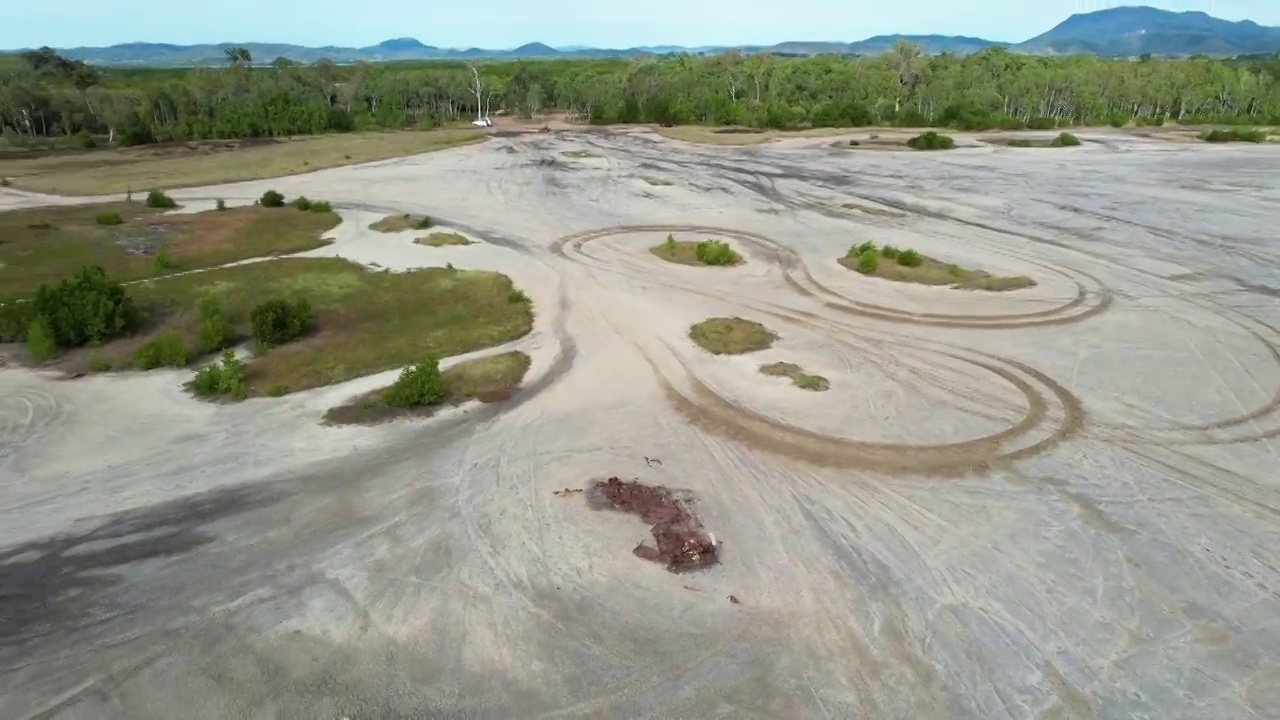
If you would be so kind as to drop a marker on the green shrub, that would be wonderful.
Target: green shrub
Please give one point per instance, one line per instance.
(15, 319)
(41, 342)
(1065, 139)
(854, 143)
(271, 198)
(1119, 121)
(931, 140)
(868, 262)
(220, 205)
(517, 297)
(418, 385)
(910, 258)
(85, 140)
(1235, 135)
(889, 252)
(302, 203)
(320, 206)
(671, 241)
(863, 249)
(109, 218)
(216, 331)
(157, 199)
(165, 350)
(163, 260)
(87, 307)
(279, 321)
(426, 222)
(1042, 123)
(225, 377)
(715, 252)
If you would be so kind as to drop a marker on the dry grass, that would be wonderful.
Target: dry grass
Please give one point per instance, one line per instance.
(933, 272)
(45, 245)
(731, 336)
(440, 239)
(365, 322)
(398, 223)
(739, 135)
(488, 379)
(798, 376)
(173, 165)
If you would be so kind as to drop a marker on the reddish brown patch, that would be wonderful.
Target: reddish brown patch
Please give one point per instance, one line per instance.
(495, 395)
(680, 543)
(203, 233)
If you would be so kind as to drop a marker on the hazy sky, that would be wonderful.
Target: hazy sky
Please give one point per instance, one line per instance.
(508, 23)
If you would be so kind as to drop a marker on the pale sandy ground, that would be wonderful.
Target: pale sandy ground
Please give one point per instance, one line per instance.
(1061, 502)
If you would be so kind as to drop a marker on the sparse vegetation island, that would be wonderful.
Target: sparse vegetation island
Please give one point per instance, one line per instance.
(709, 252)
(797, 375)
(907, 265)
(731, 336)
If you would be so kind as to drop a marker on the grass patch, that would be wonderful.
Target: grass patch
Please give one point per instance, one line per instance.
(397, 223)
(488, 379)
(1064, 139)
(174, 165)
(906, 265)
(705, 252)
(798, 376)
(440, 239)
(44, 245)
(931, 140)
(1235, 135)
(657, 182)
(731, 336)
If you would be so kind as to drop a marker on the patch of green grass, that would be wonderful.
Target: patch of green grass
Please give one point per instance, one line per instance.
(701, 253)
(798, 376)
(396, 223)
(440, 239)
(909, 265)
(931, 140)
(489, 379)
(1065, 139)
(364, 322)
(44, 245)
(731, 336)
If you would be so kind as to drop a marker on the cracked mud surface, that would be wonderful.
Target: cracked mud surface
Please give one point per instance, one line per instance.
(1059, 502)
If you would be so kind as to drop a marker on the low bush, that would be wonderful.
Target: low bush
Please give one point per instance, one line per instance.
(868, 262)
(302, 203)
(157, 199)
(87, 307)
(1235, 135)
(889, 252)
(163, 260)
(165, 350)
(271, 199)
(854, 143)
(862, 249)
(225, 377)
(910, 258)
(319, 206)
(220, 205)
(85, 140)
(716, 252)
(279, 321)
(418, 385)
(109, 218)
(518, 296)
(216, 331)
(1119, 121)
(931, 140)
(41, 343)
(1065, 139)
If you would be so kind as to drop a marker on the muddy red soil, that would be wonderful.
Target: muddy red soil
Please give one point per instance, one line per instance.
(679, 542)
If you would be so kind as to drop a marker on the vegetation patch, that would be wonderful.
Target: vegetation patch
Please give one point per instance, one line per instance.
(907, 265)
(440, 239)
(422, 389)
(1235, 134)
(397, 223)
(657, 182)
(579, 154)
(40, 246)
(704, 252)
(213, 162)
(798, 376)
(931, 140)
(731, 336)
(1064, 139)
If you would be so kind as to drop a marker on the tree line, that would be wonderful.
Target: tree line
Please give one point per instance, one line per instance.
(47, 96)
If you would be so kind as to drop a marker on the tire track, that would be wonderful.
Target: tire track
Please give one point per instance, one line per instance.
(1046, 401)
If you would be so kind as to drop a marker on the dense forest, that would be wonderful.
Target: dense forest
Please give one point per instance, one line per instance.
(43, 95)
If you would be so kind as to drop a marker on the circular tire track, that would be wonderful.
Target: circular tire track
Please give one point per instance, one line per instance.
(1052, 412)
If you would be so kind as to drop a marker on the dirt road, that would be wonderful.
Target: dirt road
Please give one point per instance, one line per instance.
(1058, 502)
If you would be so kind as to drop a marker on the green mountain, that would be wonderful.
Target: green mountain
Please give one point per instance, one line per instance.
(1124, 31)
(1127, 31)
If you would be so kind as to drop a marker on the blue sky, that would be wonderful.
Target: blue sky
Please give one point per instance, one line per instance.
(508, 23)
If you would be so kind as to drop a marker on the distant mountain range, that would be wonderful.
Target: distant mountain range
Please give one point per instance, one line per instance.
(1116, 32)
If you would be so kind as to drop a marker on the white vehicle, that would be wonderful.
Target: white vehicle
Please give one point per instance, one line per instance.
(482, 122)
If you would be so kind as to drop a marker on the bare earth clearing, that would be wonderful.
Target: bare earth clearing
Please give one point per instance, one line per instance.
(1059, 502)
